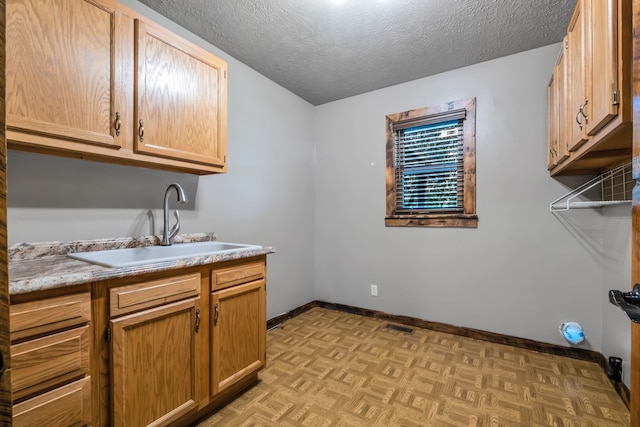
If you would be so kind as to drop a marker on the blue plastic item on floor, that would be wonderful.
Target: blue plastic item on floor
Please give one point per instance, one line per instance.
(572, 332)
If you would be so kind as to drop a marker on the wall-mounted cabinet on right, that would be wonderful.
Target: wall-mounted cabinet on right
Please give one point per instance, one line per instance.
(590, 110)
(557, 96)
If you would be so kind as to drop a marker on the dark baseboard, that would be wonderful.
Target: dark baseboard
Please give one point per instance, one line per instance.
(272, 323)
(524, 343)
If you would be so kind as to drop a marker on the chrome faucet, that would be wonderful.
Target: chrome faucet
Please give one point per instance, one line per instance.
(169, 234)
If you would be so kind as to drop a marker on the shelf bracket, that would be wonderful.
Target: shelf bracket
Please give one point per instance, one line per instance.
(572, 200)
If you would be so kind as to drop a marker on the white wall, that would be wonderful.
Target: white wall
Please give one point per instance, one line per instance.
(522, 272)
(265, 198)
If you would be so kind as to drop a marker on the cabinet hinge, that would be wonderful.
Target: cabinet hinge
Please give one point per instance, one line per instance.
(615, 97)
(107, 334)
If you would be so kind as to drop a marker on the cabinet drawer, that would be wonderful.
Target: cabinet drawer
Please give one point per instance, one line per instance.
(40, 317)
(45, 362)
(230, 276)
(69, 405)
(130, 298)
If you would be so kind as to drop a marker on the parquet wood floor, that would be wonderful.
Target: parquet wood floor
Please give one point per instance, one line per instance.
(330, 368)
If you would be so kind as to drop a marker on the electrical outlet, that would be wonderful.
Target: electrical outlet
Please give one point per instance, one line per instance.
(374, 290)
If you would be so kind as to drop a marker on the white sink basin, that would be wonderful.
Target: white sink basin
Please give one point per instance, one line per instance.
(152, 254)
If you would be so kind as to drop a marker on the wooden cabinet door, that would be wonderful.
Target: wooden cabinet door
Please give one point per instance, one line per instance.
(154, 367)
(576, 96)
(561, 93)
(181, 98)
(602, 54)
(61, 72)
(239, 326)
(552, 122)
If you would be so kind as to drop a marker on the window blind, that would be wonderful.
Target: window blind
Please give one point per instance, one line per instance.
(429, 167)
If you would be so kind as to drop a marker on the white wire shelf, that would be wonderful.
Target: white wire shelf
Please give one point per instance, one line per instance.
(616, 186)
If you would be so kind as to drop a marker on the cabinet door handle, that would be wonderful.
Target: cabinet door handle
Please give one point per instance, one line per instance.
(117, 124)
(197, 320)
(141, 131)
(216, 314)
(578, 117)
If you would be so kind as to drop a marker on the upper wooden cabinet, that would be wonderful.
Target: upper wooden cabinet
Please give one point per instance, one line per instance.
(552, 140)
(560, 89)
(92, 79)
(598, 110)
(180, 98)
(576, 77)
(558, 141)
(602, 64)
(61, 72)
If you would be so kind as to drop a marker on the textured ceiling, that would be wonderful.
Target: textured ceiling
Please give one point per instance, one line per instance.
(324, 50)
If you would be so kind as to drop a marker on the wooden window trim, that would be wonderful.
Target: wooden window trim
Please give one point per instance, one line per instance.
(465, 219)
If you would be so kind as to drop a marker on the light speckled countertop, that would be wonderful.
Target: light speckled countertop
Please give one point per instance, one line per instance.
(45, 265)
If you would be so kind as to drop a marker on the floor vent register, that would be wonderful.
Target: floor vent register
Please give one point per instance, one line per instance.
(399, 328)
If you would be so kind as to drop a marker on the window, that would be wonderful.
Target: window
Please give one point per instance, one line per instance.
(431, 166)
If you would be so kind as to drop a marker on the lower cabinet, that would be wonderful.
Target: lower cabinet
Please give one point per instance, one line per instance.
(50, 358)
(154, 369)
(238, 347)
(161, 349)
(154, 352)
(181, 343)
